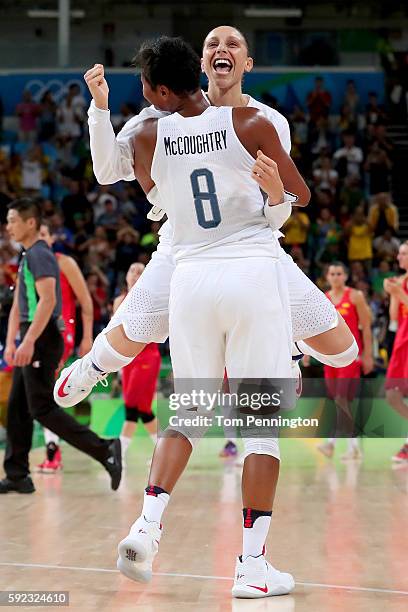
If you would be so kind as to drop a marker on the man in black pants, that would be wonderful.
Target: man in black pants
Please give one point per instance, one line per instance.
(35, 311)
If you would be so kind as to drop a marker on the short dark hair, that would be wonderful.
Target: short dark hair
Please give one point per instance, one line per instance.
(27, 208)
(339, 264)
(171, 62)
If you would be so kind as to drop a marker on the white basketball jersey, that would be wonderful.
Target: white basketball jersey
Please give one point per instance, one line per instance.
(203, 175)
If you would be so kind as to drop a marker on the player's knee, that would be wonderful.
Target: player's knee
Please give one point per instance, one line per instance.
(262, 446)
(131, 414)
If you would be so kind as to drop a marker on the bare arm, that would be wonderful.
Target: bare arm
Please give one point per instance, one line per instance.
(70, 268)
(12, 329)
(144, 143)
(117, 302)
(45, 287)
(257, 133)
(364, 318)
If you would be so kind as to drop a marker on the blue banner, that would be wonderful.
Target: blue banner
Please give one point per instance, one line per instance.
(290, 88)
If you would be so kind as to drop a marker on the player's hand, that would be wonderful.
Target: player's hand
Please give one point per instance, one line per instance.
(306, 361)
(265, 173)
(97, 85)
(24, 354)
(9, 353)
(367, 362)
(85, 346)
(391, 285)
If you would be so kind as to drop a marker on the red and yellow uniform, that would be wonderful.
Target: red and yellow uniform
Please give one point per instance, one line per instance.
(343, 382)
(397, 372)
(68, 314)
(139, 381)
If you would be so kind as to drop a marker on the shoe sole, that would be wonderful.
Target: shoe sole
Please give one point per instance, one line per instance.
(245, 592)
(50, 471)
(134, 570)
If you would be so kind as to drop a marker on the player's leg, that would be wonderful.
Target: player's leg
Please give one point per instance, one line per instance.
(258, 348)
(53, 456)
(317, 329)
(19, 438)
(141, 318)
(39, 385)
(197, 351)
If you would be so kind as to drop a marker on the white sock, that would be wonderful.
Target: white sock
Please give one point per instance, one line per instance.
(353, 444)
(255, 530)
(340, 360)
(104, 356)
(125, 441)
(50, 436)
(154, 504)
(406, 440)
(332, 441)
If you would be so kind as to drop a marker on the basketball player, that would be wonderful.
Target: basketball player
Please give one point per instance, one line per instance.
(220, 238)
(73, 289)
(139, 379)
(397, 371)
(342, 383)
(143, 316)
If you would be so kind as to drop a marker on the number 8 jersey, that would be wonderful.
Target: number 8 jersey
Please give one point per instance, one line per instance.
(203, 174)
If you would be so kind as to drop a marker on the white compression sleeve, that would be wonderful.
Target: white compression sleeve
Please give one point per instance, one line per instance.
(341, 360)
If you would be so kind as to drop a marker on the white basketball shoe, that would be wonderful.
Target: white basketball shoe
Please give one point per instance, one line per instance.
(138, 550)
(77, 381)
(255, 577)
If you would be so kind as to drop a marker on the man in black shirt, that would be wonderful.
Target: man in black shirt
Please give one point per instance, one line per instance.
(35, 312)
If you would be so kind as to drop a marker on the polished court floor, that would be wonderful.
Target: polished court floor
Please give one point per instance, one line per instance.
(340, 529)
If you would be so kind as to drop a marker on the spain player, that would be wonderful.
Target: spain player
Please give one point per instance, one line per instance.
(397, 372)
(73, 290)
(342, 383)
(139, 378)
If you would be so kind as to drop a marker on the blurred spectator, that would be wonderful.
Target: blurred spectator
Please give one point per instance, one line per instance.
(318, 101)
(127, 252)
(359, 234)
(384, 271)
(325, 177)
(27, 111)
(383, 214)
(351, 97)
(47, 122)
(73, 203)
(320, 136)
(70, 117)
(378, 166)
(325, 228)
(386, 247)
(374, 112)
(98, 288)
(296, 229)
(349, 157)
(127, 111)
(63, 237)
(348, 119)
(33, 171)
(351, 194)
(109, 219)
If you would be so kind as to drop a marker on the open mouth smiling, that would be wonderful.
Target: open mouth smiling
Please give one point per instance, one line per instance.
(222, 65)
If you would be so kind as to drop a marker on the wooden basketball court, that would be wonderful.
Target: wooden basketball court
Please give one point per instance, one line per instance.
(340, 529)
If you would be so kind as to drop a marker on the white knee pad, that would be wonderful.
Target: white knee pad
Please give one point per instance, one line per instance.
(341, 360)
(261, 446)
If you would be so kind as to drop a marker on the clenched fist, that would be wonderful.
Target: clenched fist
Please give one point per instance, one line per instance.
(265, 172)
(97, 85)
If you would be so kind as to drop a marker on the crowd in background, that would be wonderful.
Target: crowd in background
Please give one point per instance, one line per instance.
(346, 159)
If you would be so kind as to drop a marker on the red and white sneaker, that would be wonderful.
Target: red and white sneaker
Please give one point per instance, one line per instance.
(77, 381)
(401, 456)
(138, 550)
(53, 461)
(255, 577)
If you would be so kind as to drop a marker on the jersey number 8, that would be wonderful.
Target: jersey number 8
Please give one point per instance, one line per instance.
(208, 195)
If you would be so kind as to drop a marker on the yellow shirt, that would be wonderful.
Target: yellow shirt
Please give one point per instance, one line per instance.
(296, 229)
(360, 242)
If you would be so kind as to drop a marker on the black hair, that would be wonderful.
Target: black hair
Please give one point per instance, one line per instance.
(171, 62)
(339, 264)
(27, 208)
